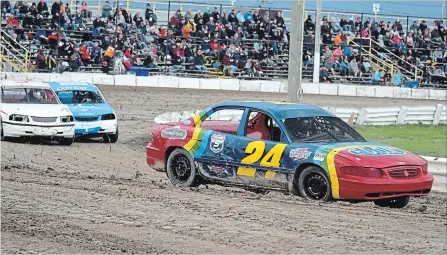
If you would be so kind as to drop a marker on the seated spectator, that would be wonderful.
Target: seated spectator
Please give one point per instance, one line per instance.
(56, 7)
(107, 10)
(377, 76)
(199, 62)
(324, 75)
(398, 78)
(5, 8)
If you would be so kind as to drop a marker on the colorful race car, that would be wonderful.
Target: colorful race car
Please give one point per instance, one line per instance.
(302, 149)
(31, 109)
(94, 117)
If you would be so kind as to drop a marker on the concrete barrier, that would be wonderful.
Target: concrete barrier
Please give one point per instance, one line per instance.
(364, 91)
(270, 86)
(252, 85)
(147, 81)
(234, 84)
(58, 78)
(328, 89)
(168, 81)
(402, 93)
(311, 88)
(229, 84)
(347, 90)
(437, 94)
(125, 80)
(103, 79)
(385, 92)
(209, 84)
(189, 83)
(419, 93)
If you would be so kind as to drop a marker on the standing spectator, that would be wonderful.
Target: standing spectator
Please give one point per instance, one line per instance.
(199, 62)
(308, 24)
(56, 7)
(41, 60)
(84, 10)
(150, 16)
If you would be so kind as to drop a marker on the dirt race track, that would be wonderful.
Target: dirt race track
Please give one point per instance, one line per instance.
(96, 198)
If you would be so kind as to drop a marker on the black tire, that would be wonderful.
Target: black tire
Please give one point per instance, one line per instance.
(181, 169)
(313, 184)
(2, 135)
(111, 138)
(397, 202)
(66, 141)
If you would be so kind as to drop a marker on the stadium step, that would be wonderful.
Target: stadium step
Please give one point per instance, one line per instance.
(386, 61)
(13, 57)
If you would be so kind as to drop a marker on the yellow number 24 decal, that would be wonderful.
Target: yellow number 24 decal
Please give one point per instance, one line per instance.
(256, 150)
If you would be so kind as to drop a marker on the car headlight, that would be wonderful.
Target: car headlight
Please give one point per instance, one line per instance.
(109, 116)
(67, 119)
(19, 118)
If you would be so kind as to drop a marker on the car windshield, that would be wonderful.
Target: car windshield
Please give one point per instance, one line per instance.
(321, 130)
(79, 97)
(28, 96)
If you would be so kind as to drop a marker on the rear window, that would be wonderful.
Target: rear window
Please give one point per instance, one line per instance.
(79, 97)
(28, 96)
(320, 130)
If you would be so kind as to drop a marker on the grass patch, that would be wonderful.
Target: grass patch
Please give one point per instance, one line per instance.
(424, 140)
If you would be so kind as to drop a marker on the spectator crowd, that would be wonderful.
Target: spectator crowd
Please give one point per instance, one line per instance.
(234, 42)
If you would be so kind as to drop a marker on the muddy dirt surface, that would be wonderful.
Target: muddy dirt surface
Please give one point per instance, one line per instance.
(99, 198)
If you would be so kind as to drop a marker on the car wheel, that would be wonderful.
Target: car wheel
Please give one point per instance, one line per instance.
(180, 169)
(2, 135)
(66, 141)
(313, 184)
(111, 138)
(396, 202)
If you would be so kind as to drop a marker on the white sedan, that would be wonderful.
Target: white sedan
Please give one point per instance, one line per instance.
(31, 109)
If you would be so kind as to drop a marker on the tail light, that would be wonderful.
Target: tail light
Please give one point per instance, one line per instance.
(425, 168)
(367, 172)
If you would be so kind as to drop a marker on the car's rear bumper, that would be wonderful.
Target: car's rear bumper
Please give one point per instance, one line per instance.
(95, 128)
(24, 130)
(155, 158)
(373, 189)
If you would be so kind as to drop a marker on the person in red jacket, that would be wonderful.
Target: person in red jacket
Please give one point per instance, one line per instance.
(215, 46)
(12, 21)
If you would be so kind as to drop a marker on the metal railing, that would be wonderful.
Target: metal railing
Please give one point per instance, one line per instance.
(378, 63)
(15, 55)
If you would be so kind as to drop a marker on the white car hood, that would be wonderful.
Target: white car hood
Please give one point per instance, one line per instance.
(39, 110)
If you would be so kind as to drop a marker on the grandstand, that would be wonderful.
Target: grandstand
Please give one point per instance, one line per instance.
(205, 40)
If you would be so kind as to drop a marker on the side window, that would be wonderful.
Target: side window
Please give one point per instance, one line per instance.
(262, 126)
(225, 121)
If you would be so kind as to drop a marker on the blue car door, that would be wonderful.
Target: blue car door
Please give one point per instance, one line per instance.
(262, 152)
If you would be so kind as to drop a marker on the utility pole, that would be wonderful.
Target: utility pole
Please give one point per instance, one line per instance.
(443, 10)
(316, 77)
(296, 52)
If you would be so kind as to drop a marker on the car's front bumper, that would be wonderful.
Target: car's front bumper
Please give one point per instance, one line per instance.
(29, 130)
(373, 189)
(95, 128)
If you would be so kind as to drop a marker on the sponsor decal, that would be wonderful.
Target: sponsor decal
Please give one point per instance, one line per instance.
(319, 156)
(299, 153)
(217, 143)
(376, 151)
(73, 87)
(174, 133)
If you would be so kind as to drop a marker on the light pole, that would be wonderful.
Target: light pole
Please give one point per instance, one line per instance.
(296, 52)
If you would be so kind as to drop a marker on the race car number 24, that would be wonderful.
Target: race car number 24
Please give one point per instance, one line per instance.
(256, 151)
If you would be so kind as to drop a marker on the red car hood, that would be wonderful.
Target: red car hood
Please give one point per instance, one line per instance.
(380, 156)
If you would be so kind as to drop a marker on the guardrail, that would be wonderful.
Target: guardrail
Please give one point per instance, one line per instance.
(276, 86)
(429, 115)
